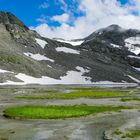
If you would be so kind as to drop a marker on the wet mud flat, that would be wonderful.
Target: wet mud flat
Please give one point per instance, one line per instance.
(93, 127)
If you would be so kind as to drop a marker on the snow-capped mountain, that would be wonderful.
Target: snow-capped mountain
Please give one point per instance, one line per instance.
(109, 55)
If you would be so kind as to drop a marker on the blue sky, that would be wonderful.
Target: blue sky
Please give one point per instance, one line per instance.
(51, 17)
(30, 10)
(123, 1)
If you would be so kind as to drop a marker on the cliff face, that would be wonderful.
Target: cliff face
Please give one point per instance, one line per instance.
(109, 54)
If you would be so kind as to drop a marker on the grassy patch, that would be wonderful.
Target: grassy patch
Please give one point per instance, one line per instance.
(134, 134)
(56, 112)
(118, 132)
(78, 94)
(10, 58)
(130, 99)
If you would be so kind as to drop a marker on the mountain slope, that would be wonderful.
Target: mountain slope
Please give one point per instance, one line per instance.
(110, 54)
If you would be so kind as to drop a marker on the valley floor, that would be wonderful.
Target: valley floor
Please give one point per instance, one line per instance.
(101, 126)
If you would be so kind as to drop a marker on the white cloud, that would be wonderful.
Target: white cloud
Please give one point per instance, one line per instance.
(44, 5)
(97, 14)
(64, 5)
(61, 18)
(42, 19)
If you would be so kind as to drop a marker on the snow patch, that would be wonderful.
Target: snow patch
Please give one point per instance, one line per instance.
(72, 77)
(138, 69)
(67, 50)
(132, 48)
(49, 66)
(42, 43)
(5, 71)
(131, 56)
(74, 43)
(83, 70)
(115, 46)
(130, 44)
(134, 79)
(133, 40)
(38, 57)
(100, 33)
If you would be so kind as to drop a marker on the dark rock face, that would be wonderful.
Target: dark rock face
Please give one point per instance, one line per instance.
(104, 61)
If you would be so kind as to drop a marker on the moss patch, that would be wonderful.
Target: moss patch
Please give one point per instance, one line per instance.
(56, 112)
(130, 99)
(134, 134)
(118, 132)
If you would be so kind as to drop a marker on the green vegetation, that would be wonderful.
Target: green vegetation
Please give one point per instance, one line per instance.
(11, 59)
(130, 99)
(118, 132)
(78, 94)
(134, 134)
(21, 63)
(56, 112)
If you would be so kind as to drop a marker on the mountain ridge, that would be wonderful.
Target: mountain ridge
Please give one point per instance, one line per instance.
(108, 56)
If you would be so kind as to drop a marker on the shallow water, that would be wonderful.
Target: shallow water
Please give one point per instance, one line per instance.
(85, 128)
(88, 128)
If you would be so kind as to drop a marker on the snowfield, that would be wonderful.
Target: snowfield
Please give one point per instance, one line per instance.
(38, 57)
(130, 42)
(74, 43)
(67, 50)
(42, 43)
(72, 77)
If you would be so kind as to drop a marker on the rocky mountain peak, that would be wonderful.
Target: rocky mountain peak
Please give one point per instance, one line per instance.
(17, 29)
(114, 27)
(8, 18)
